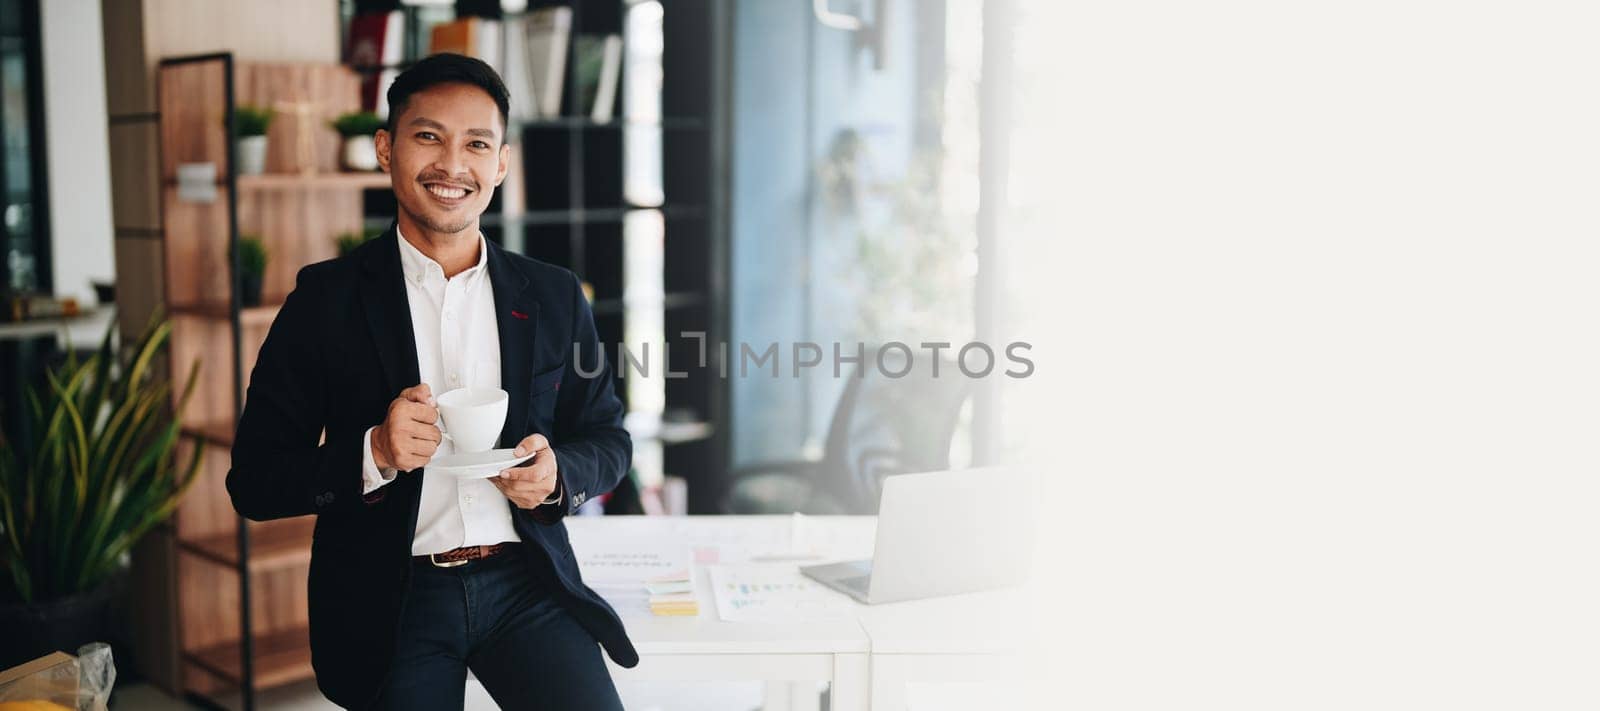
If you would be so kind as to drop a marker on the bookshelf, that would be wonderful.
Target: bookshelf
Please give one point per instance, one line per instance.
(633, 206)
(239, 605)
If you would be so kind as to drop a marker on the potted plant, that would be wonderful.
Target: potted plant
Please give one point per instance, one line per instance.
(348, 241)
(358, 128)
(94, 466)
(252, 267)
(250, 127)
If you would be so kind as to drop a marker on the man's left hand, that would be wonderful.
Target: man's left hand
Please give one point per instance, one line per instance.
(530, 485)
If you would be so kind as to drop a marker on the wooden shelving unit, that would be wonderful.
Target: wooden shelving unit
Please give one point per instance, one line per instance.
(269, 181)
(240, 605)
(248, 315)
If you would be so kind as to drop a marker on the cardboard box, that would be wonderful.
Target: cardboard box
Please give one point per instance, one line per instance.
(47, 683)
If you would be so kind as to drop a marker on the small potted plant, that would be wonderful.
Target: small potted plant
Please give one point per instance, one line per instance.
(250, 127)
(358, 128)
(252, 267)
(348, 241)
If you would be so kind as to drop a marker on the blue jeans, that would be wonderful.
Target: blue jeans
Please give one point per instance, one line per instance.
(495, 617)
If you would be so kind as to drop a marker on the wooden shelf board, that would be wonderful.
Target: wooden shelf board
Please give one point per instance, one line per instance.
(285, 181)
(280, 658)
(273, 544)
(248, 316)
(218, 433)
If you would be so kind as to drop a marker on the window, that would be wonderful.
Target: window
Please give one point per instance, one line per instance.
(27, 238)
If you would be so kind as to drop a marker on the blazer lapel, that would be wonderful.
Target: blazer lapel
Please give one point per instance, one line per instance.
(383, 296)
(388, 309)
(516, 315)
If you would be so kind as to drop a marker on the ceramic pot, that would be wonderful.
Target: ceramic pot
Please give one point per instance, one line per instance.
(252, 154)
(360, 153)
(250, 290)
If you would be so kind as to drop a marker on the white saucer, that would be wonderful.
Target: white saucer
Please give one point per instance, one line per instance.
(475, 465)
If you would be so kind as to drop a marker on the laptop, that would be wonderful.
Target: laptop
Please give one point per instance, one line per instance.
(939, 533)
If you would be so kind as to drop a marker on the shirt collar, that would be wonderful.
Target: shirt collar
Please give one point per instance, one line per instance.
(417, 266)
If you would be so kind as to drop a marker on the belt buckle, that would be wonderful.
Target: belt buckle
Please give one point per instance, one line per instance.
(448, 563)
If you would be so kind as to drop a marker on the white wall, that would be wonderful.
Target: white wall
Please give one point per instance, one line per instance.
(77, 147)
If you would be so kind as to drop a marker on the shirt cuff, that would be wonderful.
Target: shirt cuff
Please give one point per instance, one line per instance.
(371, 477)
(554, 497)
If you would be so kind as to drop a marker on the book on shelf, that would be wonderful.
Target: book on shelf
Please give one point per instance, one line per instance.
(513, 69)
(375, 91)
(377, 39)
(472, 36)
(376, 46)
(546, 33)
(453, 36)
(599, 59)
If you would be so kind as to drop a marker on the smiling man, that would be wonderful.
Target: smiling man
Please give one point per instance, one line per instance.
(419, 576)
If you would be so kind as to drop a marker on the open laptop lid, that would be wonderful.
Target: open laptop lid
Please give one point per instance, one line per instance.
(948, 532)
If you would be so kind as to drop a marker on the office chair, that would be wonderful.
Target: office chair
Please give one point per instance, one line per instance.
(881, 426)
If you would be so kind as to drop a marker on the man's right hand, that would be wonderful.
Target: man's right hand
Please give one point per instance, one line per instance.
(408, 436)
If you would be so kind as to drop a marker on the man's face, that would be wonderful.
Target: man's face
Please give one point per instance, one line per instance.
(446, 156)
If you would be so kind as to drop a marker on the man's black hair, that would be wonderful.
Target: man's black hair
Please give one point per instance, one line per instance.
(447, 69)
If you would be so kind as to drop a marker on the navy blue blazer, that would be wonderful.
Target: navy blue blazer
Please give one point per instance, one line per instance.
(340, 349)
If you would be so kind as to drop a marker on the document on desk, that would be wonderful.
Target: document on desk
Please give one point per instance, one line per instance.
(641, 578)
(772, 593)
(632, 562)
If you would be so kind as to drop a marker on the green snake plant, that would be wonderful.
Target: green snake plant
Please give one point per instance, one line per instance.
(99, 468)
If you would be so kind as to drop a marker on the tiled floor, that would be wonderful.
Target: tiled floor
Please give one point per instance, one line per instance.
(653, 696)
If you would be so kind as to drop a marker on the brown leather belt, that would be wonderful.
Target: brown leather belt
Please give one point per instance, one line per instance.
(462, 556)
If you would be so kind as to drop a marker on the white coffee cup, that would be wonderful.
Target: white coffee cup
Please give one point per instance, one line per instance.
(472, 417)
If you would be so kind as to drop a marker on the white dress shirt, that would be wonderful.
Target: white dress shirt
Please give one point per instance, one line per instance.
(458, 346)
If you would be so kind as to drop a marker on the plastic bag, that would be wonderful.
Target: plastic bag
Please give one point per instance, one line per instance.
(96, 675)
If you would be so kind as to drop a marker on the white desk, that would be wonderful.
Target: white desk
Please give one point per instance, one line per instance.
(868, 660)
(960, 638)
